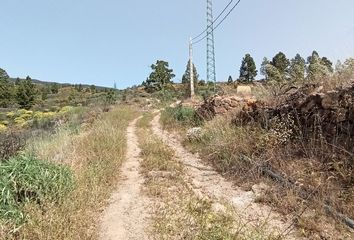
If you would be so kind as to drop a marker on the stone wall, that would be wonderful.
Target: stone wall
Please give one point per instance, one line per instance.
(218, 105)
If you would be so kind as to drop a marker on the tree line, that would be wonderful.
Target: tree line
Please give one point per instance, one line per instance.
(24, 93)
(279, 71)
(281, 68)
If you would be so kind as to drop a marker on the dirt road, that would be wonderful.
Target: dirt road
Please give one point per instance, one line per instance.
(211, 184)
(126, 217)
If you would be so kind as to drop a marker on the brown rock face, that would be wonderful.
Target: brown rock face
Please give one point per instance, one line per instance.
(221, 105)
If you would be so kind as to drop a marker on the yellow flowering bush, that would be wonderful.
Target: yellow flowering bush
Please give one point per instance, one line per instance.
(66, 109)
(19, 121)
(6, 123)
(10, 114)
(3, 127)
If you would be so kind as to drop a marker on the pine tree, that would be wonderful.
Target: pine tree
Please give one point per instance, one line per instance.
(160, 77)
(248, 70)
(187, 76)
(263, 69)
(26, 93)
(273, 74)
(5, 89)
(281, 63)
(230, 80)
(3, 74)
(316, 68)
(325, 61)
(297, 68)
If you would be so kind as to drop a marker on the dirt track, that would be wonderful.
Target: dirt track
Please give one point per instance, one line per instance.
(208, 183)
(126, 216)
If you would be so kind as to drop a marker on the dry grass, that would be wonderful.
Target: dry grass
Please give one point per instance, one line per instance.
(323, 173)
(178, 212)
(96, 156)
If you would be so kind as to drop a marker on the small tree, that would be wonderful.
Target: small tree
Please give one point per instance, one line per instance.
(26, 93)
(93, 89)
(230, 80)
(345, 70)
(187, 76)
(248, 70)
(202, 83)
(54, 88)
(263, 69)
(297, 68)
(110, 96)
(160, 76)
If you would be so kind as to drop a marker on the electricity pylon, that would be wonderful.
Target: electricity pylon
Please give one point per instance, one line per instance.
(211, 71)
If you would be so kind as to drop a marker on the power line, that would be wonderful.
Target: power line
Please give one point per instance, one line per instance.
(231, 10)
(222, 12)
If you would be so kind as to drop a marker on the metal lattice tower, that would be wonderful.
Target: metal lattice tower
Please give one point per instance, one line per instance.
(211, 71)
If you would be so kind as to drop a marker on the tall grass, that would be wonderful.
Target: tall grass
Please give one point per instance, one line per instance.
(311, 164)
(180, 117)
(95, 155)
(24, 179)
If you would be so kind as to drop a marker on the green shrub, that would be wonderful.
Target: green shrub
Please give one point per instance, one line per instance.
(25, 179)
(184, 116)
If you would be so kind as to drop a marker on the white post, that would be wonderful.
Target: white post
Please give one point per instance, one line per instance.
(191, 68)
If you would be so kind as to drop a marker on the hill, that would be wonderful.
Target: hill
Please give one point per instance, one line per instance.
(46, 83)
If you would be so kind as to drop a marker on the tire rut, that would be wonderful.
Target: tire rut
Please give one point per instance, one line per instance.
(126, 217)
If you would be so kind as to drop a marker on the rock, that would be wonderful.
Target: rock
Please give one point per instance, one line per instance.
(312, 111)
(194, 134)
(218, 208)
(259, 189)
(221, 105)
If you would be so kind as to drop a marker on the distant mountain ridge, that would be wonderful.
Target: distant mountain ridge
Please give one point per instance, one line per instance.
(41, 82)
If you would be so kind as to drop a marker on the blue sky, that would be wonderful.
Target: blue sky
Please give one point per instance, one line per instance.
(102, 41)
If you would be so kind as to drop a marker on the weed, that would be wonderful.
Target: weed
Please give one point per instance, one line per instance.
(24, 179)
(180, 117)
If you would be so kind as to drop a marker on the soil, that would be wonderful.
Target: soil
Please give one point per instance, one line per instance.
(127, 217)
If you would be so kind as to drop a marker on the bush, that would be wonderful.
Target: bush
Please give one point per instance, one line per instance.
(24, 179)
(3, 127)
(11, 143)
(184, 116)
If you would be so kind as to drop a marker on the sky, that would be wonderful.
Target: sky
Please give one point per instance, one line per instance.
(105, 41)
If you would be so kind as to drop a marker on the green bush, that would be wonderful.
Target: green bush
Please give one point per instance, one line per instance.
(25, 179)
(184, 116)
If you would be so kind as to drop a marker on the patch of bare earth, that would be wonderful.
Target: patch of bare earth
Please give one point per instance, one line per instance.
(127, 215)
(208, 183)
